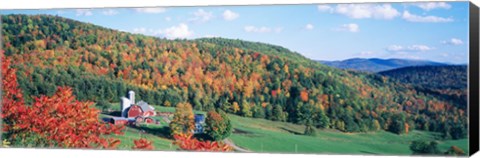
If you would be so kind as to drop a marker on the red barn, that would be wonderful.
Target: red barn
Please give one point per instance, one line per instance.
(134, 111)
(149, 120)
(139, 119)
(118, 121)
(141, 109)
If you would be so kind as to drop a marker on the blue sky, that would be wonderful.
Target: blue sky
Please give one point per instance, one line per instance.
(436, 31)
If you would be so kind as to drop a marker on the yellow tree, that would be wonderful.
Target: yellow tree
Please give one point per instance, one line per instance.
(183, 119)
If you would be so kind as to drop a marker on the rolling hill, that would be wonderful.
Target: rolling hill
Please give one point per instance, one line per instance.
(244, 78)
(376, 64)
(446, 82)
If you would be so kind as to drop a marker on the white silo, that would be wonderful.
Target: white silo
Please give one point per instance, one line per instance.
(125, 105)
(131, 96)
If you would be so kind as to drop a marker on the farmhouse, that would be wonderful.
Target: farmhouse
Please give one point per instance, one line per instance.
(139, 112)
(199, 121)
(121, 121)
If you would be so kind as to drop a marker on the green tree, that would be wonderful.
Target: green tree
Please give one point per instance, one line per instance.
(258, 112)
(398, 123)
(309, 128)
(218, 125)
(321, 120)
(245, 109)
(102, 105)
(424, 147)
(278, 114)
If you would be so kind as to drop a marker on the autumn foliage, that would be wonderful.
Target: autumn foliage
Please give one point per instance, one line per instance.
(304, 95)
(454, 150)
(60, 119)
(250, 79)
(187, 142)
(218, 125)
(143, 144)
(183, 119)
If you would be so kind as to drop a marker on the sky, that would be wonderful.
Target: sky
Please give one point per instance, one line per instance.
(436, 31)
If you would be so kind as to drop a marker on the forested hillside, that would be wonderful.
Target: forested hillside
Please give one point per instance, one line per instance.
(244, 78)
(445, 82)
(438, 77)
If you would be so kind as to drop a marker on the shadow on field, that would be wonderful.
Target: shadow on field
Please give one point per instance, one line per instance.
(367, 152)
(113, 113)
(239, 131)
(245, 133)
(161, 132)
(290, 131)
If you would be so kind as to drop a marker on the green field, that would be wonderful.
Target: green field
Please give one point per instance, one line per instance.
(131, 134)
(260, 135)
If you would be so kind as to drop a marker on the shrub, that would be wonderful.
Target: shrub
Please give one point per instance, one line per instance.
(424, 147)
(454, 150)
(187, 142)
(143, 144)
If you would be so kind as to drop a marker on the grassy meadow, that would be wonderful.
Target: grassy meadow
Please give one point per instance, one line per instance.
(260, 135)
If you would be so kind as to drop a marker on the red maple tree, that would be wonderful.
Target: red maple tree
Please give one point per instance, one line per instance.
(58, 118)
(187, 142)
(142, 144)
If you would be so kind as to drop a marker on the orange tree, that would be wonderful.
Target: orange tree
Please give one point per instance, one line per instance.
(57, 120)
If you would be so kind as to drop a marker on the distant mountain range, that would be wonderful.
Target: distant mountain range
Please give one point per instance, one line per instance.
(377, 65)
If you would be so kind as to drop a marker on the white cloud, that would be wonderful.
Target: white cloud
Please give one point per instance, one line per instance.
(411, 48)
(445, 55)
(141, 30)
(394, 48)
(262, 29)
(324, 8)
(309, 27)
(427, 19)
(84, 12)
(352, 27)
(367, 53)
(180, 31)
(230, 15)
(433, 5)
(210, 36)
(201, 16)
(110, 12)
(151, 10)
(364, 11)
(168, 18)
(453, 41)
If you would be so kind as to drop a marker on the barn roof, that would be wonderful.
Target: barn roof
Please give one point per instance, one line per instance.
(119, 118)
(145, 107)
(199, 117)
